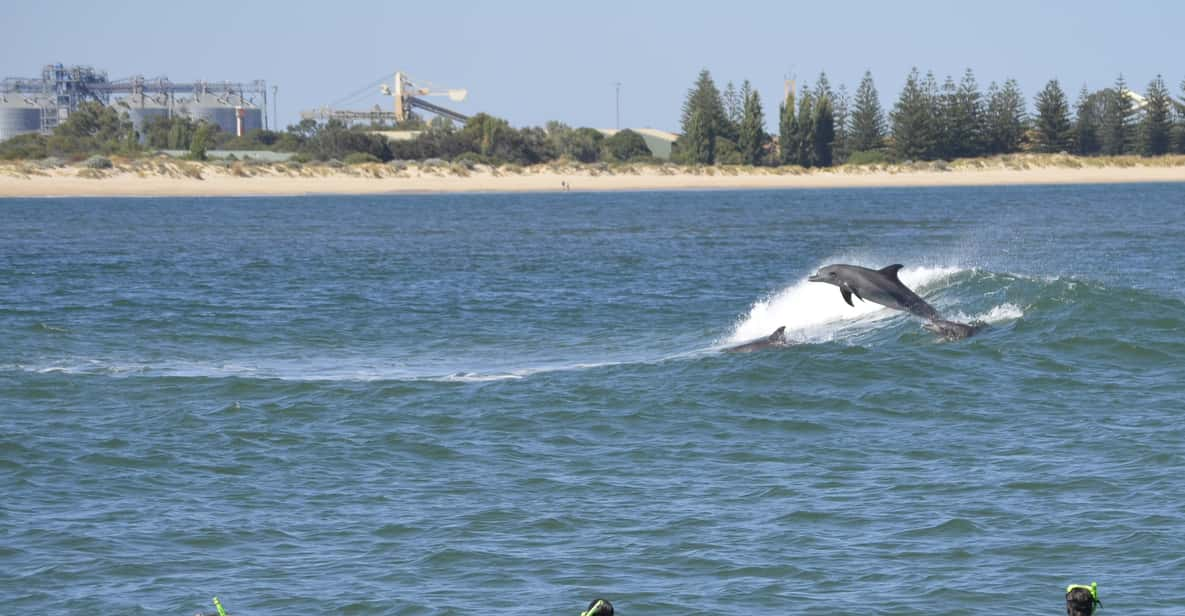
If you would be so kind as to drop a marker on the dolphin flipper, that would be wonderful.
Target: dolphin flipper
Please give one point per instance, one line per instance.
(847, 296)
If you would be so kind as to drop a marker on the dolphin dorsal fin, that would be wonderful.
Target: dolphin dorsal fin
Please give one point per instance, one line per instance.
(777, 335)
(891, 271)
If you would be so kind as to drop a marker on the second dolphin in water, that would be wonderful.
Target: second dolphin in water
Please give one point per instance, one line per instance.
(776, 339)
(950, 330)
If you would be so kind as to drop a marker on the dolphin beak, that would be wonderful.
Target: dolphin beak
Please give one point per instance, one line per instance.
(815, 278)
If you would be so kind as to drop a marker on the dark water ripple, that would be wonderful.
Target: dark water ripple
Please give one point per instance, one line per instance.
(390, 405)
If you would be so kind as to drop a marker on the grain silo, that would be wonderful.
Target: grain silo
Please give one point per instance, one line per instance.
(143, 109)
(231, 112)
(18, 116)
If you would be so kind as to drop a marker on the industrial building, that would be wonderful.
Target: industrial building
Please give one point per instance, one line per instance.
(38, 105)
(660, 142)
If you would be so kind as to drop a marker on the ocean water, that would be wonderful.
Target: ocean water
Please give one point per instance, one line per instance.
(517, 403)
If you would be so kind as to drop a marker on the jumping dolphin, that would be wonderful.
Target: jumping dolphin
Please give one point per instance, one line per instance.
(778, 338)
(950, 330)
(879, 286)
(885, 288)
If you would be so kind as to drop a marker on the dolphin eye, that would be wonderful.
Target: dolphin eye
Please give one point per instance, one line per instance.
(832, 274)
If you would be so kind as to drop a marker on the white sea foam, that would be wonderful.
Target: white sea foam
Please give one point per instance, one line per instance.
(998, 314)
(815, 312)
(345, 370)
(479, 378)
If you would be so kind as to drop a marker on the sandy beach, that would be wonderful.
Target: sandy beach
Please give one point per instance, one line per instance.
(167, 177)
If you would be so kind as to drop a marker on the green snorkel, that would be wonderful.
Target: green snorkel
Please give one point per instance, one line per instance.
(1093, 589)
(217, 604)
(595, 608)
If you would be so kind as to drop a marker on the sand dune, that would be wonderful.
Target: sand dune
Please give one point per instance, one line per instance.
(165, 177)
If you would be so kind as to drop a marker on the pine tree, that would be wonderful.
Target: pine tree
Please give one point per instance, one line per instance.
(1086, 124)
(970, 125)
(822, 91)
(1157, 126)
(1054, 132)
(752, 134)
(824, 132)
(1179, 125)
(913, 134)
(823, 87)
(704, 96)
(840, 105)
(733, 104)
(805, 145)
(787, 131)
(1005, 118)
(746, 90)
(934, 103)
(947, 125)
(698, 142)
(1117, 120)
(868, 120)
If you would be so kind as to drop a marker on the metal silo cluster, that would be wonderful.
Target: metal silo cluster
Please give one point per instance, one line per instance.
(18, 116)
(30, 105)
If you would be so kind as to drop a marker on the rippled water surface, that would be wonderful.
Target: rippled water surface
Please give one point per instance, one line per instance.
(515, 403)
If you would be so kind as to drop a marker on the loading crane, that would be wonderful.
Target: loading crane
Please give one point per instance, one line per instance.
(407, 95)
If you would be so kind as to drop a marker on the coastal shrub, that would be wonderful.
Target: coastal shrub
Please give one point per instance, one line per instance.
(190, 170)
(471, 159)
(867, 157)
(98, 162)
(28, 169)
(24, 147)
(335, 140)
(626, 145)
(94, 128)
(358, 158)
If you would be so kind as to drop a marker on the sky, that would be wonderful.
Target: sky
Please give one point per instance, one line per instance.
(535, 61)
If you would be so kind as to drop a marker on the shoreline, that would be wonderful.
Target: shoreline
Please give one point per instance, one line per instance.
(174, 178)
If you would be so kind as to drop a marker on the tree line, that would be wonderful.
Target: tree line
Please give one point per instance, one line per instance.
(819, 126)
(96, 129)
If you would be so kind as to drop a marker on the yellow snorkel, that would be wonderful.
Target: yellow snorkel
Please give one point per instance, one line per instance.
(592, 611)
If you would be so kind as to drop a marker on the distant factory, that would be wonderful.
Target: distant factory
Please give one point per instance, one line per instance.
(38, 105)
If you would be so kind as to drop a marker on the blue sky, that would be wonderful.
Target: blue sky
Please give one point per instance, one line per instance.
(533, 61)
